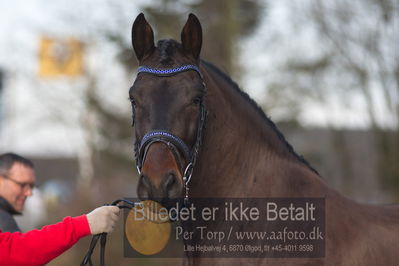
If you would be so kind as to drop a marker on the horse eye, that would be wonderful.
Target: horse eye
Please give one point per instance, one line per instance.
(197, 100)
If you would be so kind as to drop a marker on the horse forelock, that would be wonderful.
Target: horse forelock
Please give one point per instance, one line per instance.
(167, 50)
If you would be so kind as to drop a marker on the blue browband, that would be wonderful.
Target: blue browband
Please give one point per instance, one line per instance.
(168, 71)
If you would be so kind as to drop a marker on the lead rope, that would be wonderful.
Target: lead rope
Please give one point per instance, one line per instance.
(103, 236)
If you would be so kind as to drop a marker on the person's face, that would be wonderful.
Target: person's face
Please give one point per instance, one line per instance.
(17, 185)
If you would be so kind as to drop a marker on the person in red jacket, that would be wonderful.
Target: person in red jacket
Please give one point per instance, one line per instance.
(38, 247)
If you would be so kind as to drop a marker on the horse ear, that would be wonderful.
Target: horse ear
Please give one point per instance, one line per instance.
(142, 37)
(191, 36)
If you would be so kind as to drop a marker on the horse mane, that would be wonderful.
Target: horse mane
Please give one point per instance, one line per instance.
(260, 112)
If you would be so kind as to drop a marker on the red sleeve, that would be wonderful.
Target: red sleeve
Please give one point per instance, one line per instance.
(38, 247)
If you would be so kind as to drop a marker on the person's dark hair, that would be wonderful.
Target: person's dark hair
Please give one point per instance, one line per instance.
(8, 159)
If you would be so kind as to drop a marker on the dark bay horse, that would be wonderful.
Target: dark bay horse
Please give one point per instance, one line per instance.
(235, 152)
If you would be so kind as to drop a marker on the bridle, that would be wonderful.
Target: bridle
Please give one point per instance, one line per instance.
(175, 144)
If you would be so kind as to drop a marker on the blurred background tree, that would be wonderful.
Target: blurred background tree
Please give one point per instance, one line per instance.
(345, 54)
(362, 43)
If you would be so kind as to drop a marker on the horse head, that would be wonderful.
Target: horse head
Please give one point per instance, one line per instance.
(168, 109)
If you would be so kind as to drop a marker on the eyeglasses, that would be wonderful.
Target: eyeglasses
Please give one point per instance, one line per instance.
(24, 186)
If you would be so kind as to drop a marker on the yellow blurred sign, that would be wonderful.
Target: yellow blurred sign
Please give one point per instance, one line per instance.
(60, 58)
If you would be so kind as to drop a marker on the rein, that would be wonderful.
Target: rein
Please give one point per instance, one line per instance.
(173, 142)
(103, 236)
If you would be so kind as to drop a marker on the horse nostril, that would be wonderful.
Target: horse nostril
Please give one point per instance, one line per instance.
(171, 186)
(170, 180)
(145, 181)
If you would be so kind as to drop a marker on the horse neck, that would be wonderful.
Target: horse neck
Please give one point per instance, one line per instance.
(241, 150)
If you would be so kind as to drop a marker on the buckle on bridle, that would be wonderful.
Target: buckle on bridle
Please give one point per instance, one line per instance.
(188, 173)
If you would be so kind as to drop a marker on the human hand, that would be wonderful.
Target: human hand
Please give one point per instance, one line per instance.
(103, 219)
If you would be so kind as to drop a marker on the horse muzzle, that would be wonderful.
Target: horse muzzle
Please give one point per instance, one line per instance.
(162, 157)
